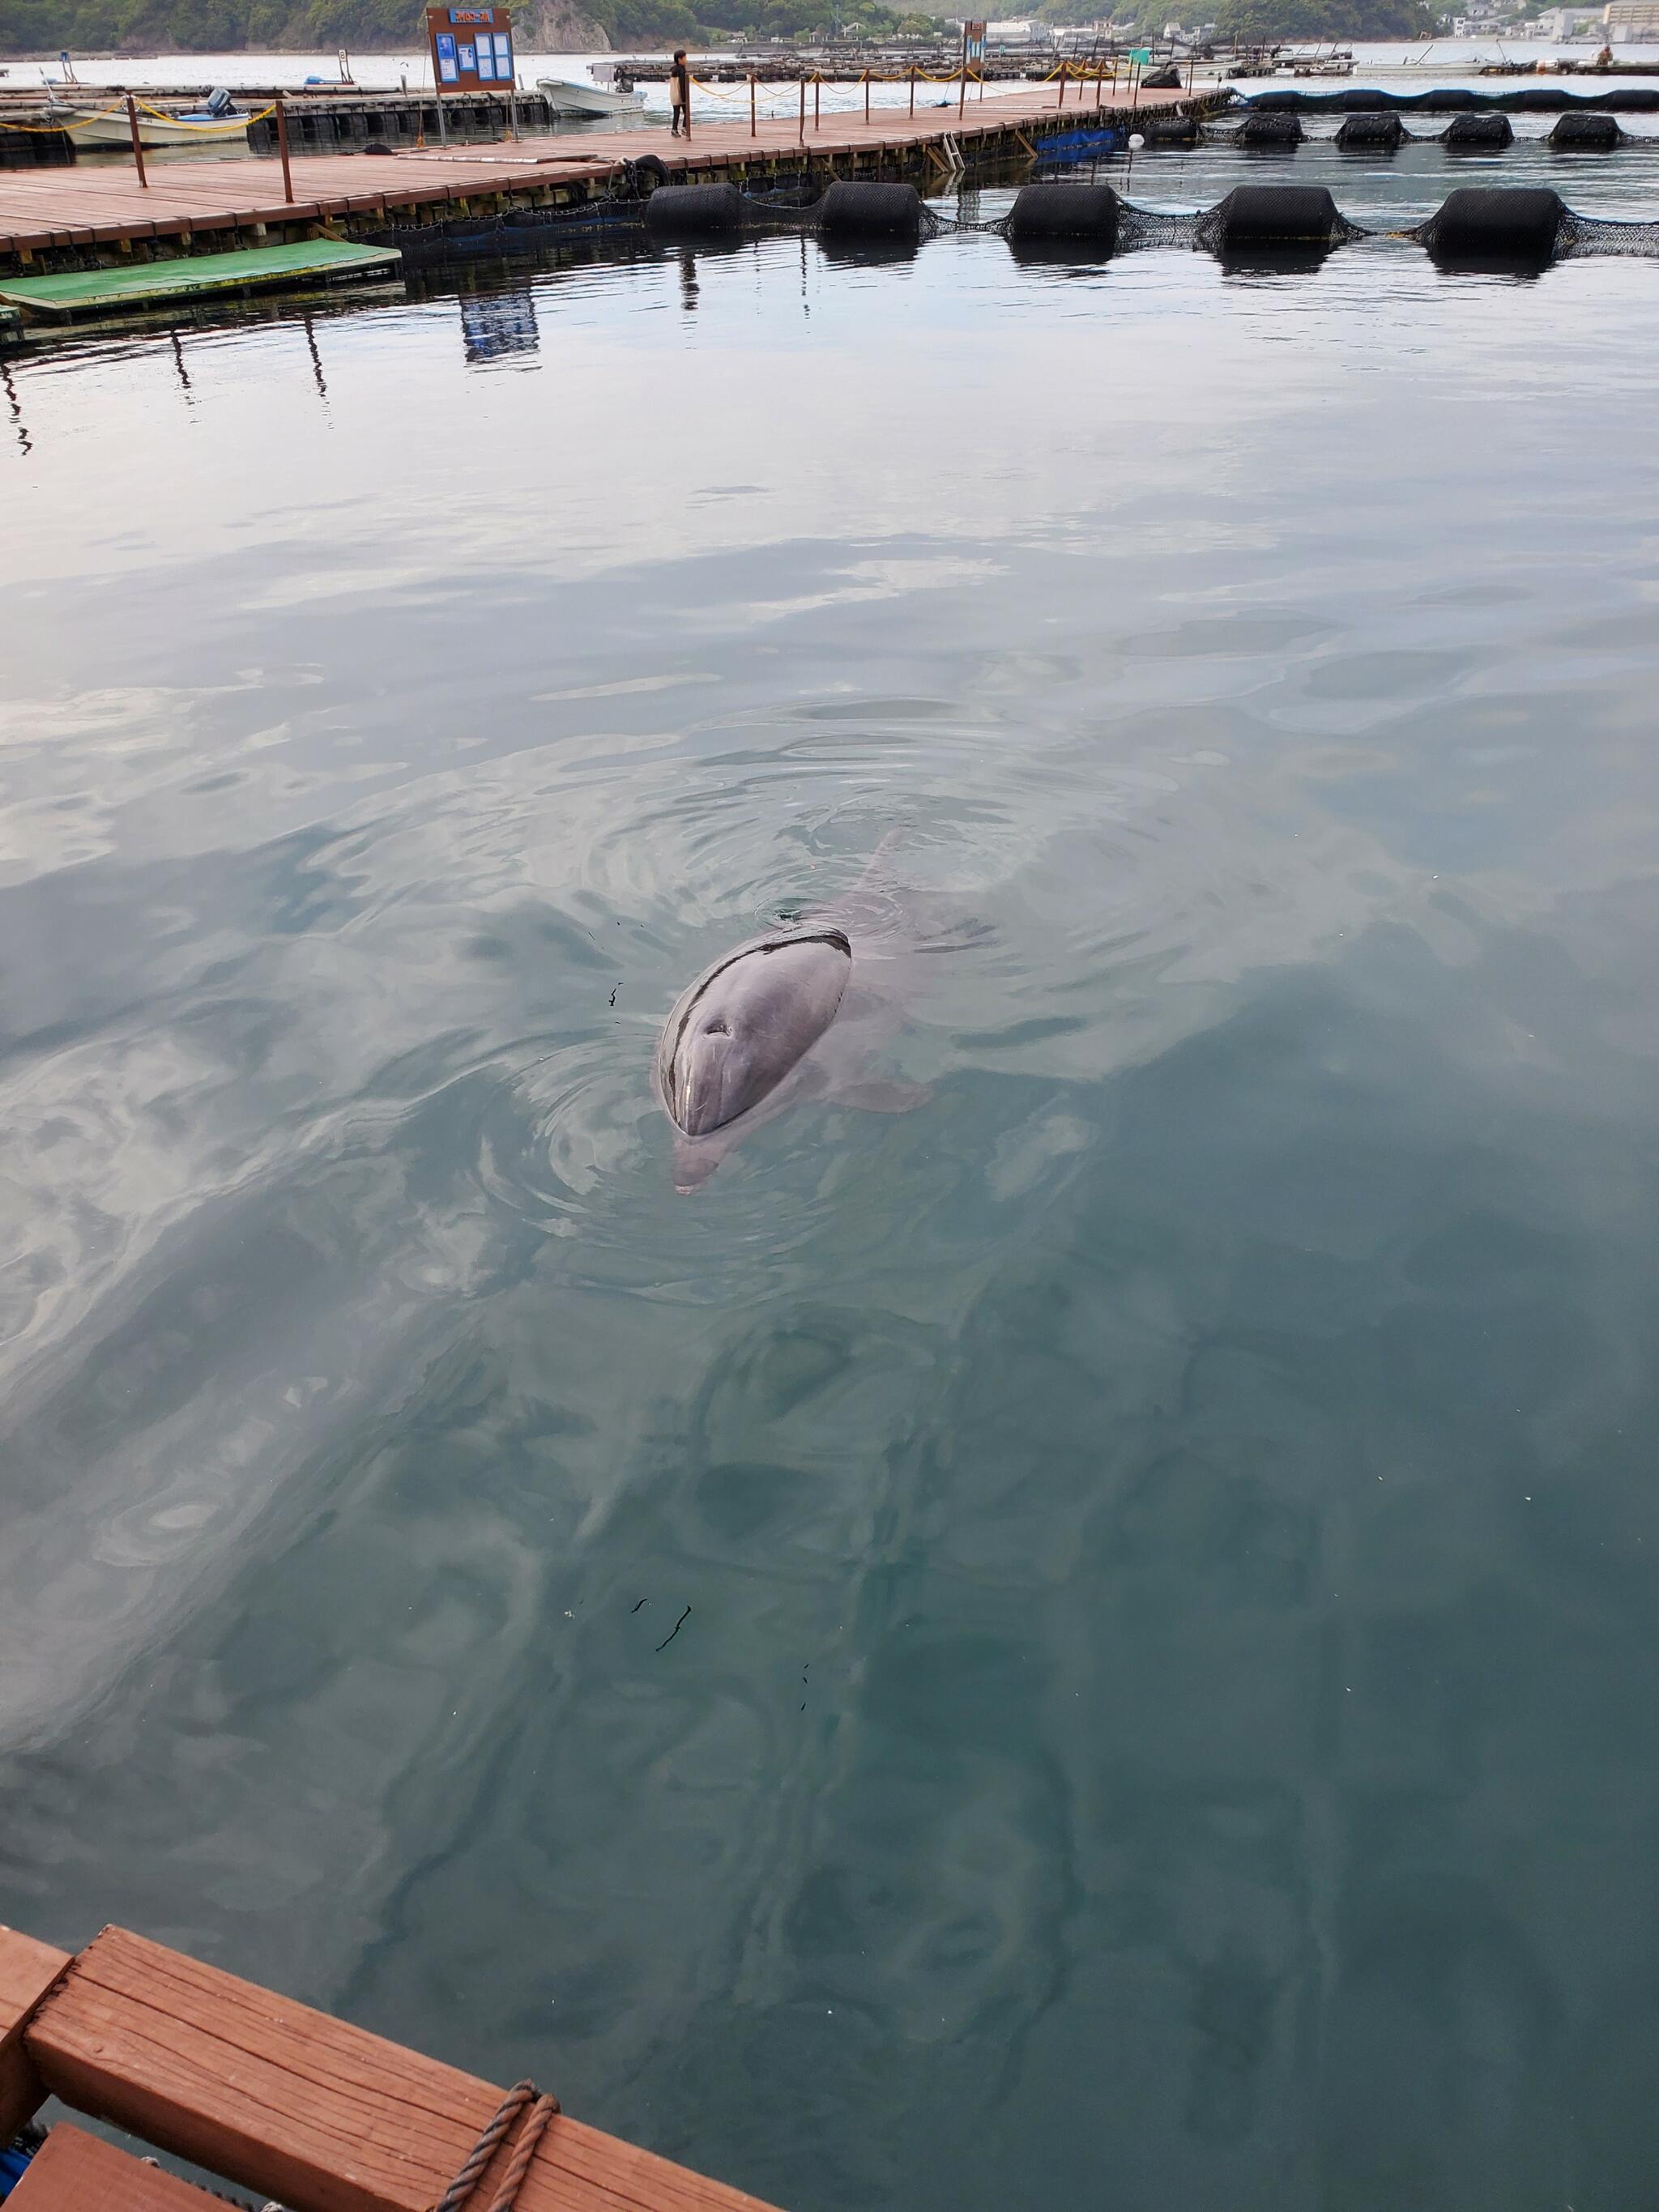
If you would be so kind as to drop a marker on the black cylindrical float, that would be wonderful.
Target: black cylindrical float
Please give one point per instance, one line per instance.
(1369, 133)
(1274, 129)
(691, 209)
(1587, 134)
(848, 210)
(1065, 211)
(1479, 132)
(1169, 130)
(1273, 215)
(1477, 223)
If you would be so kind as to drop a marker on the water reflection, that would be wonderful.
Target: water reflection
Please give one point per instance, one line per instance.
(499, 324)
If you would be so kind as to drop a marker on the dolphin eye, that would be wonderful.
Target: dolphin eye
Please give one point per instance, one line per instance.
(716, 1028)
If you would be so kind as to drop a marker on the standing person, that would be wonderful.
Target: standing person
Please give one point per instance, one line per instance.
(679, 93)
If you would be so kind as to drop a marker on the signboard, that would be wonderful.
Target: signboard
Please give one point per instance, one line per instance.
(471, 47)
(973, 42)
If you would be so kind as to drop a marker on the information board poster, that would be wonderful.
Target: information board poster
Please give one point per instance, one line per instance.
(471, 47)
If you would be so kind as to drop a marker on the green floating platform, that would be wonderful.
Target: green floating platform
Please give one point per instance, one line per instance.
(82, 290)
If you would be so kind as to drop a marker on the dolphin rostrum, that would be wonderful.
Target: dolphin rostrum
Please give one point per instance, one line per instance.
(776, 1020)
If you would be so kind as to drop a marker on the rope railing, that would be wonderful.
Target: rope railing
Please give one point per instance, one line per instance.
(83, 120)
(57, 130)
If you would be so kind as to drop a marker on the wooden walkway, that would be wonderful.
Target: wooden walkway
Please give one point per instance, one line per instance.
(91, 206)
(271, 2096)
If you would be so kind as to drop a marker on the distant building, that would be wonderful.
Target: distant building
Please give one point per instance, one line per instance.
(1631, 22)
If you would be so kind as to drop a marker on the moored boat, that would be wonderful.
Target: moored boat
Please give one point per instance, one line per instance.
(217, 123)
(598, 93)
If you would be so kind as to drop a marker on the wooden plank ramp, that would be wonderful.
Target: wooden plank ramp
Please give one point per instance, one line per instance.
(92, 204)
(74, 2172)
(82, 291)
(289, 2102)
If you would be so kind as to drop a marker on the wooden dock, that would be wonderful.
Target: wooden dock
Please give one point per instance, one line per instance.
(89, 216)
(275, 2098)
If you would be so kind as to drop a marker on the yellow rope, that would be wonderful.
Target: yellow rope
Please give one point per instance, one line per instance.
(207, 130)
(54, 129)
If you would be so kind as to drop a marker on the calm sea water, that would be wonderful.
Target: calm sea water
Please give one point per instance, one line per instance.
(1165, 1714)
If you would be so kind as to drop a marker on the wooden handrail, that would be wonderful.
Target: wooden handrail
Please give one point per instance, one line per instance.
(289, 2102)
(27, 1971)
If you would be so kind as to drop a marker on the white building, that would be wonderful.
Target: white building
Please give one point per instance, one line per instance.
(1631, 22)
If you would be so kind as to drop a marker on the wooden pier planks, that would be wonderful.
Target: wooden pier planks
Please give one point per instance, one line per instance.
(94, 203)
(27, 1971)
(321, 2115)
(74, 2172)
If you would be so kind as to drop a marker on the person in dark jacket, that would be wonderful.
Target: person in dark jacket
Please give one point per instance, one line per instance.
(680, 93)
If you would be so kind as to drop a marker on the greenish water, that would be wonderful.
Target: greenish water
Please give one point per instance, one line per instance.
(1165, 1717)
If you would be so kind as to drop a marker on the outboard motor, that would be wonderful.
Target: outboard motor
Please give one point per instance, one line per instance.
(221, 104)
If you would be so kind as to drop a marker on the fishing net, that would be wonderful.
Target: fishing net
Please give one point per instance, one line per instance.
(1582, 235)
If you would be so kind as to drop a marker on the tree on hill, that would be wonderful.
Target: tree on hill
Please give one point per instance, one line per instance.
(1265, 22)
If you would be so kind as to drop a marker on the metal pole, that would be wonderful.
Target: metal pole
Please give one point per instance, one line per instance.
(443, 120)
(817, 102)
(512, 107)
(138, 144)
(281, 147)
(866, 96)
(962, 97)
(1060, 102)
(913, 88)
(751, 103)
(1100, 79)
(803, 111)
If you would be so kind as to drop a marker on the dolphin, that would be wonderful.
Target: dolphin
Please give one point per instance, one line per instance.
(791, 1015)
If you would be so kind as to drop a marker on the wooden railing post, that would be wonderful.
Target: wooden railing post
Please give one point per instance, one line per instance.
(281, 147)
(27, 1971)
(138, 144)
(751, 103)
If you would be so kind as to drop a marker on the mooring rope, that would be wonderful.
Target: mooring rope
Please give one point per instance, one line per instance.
(491, 2140)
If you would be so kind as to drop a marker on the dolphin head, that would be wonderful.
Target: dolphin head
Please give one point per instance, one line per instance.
(744, 1024)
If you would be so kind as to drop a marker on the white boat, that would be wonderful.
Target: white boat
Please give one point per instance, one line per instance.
(598, 93)
(211, 126)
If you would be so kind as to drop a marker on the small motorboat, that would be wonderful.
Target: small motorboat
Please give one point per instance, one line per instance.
(217, 124)
(596, 95)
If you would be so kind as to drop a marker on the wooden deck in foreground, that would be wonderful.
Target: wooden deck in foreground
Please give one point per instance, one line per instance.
(47, 215)
(270, 2095)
